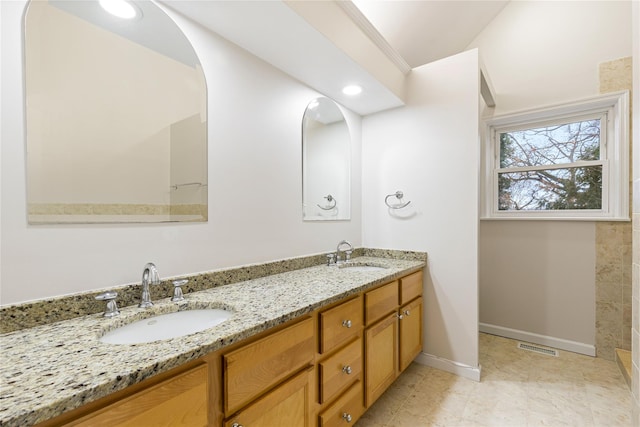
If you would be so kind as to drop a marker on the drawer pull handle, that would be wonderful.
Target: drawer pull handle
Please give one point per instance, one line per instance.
(346, 369)
(346, 323)
(346, 417)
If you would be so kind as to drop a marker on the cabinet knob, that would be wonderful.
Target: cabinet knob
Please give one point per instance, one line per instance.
(346, 323)
(346, 417)
(346, 369)
(407, 312)
(399, 316)
(236, 425)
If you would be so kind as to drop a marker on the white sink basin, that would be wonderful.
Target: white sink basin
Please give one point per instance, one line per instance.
(365, 268)
(165, 326)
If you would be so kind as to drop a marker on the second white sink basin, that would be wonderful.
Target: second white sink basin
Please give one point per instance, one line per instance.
(362, 267)
(165, 326)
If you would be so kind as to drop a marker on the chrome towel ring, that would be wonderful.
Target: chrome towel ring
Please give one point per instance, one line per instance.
(398, 195)
(330, 206)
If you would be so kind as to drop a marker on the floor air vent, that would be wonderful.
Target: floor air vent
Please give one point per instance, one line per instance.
(538, 349)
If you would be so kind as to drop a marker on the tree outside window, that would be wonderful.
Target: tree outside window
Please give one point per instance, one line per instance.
(553, 167)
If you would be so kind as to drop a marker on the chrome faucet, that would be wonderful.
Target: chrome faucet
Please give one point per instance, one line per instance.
(347, 252)
(149, 276)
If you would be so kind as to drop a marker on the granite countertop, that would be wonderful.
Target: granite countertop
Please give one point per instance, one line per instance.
(50, 369)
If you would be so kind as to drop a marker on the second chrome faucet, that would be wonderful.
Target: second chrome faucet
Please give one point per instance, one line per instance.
(149, 276)
(335, 259)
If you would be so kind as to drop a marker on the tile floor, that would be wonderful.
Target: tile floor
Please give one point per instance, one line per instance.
(518, 388)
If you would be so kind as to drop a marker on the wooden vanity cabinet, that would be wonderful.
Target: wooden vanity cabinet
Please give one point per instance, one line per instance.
(393, 332)
(323, 369)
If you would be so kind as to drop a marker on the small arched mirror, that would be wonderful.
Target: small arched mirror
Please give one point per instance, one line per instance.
(116, 117)
(326, 162)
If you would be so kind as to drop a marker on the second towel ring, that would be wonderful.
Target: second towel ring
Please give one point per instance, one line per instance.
(398, 195)
(330, 199)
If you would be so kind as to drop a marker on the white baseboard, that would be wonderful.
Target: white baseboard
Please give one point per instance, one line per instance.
(460, 369)
(559, 343)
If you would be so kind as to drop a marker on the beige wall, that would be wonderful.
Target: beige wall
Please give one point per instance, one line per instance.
(537, 278)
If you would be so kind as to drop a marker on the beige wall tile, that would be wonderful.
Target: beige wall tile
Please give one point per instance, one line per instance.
(616, 75)
(616, 246)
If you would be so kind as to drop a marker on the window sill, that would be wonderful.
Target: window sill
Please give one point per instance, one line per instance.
(557, 218)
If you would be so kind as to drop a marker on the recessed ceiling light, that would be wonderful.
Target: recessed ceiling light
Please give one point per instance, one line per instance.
(120, 8)
(352, 90)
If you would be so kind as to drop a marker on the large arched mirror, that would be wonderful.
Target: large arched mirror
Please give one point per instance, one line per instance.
(116, 117)
(326, 162)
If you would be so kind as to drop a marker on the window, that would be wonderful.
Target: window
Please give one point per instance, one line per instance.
(565, 162)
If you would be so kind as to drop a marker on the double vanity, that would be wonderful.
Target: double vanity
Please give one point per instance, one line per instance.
(314, 346)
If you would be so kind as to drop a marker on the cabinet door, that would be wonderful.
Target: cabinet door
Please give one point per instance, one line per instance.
(181, 400)
(286, 405)
(410, 332)
(381, 357)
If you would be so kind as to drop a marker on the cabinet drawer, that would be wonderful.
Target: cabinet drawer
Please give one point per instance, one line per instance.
(345, 411)
(410, 287)
(181, 400)
(251, 370)
(340, 370)
(340, 324)
(380, 301)
(286, 405)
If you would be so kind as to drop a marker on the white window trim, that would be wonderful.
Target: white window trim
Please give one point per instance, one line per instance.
(615, 173)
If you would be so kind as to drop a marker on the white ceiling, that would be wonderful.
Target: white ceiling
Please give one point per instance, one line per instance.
(272, 31)
(428, 30)
(420, 31)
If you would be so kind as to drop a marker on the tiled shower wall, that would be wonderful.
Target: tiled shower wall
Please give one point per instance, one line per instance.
(614, 249)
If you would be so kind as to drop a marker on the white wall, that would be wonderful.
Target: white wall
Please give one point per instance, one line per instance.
(429, 150)
(541, 53)
(546, 52)
(255, 200)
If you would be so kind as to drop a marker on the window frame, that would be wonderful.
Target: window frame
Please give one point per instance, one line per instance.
(614, 157)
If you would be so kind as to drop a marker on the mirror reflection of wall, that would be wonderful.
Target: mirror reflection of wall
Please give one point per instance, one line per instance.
(116, 117)
(326, 162)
